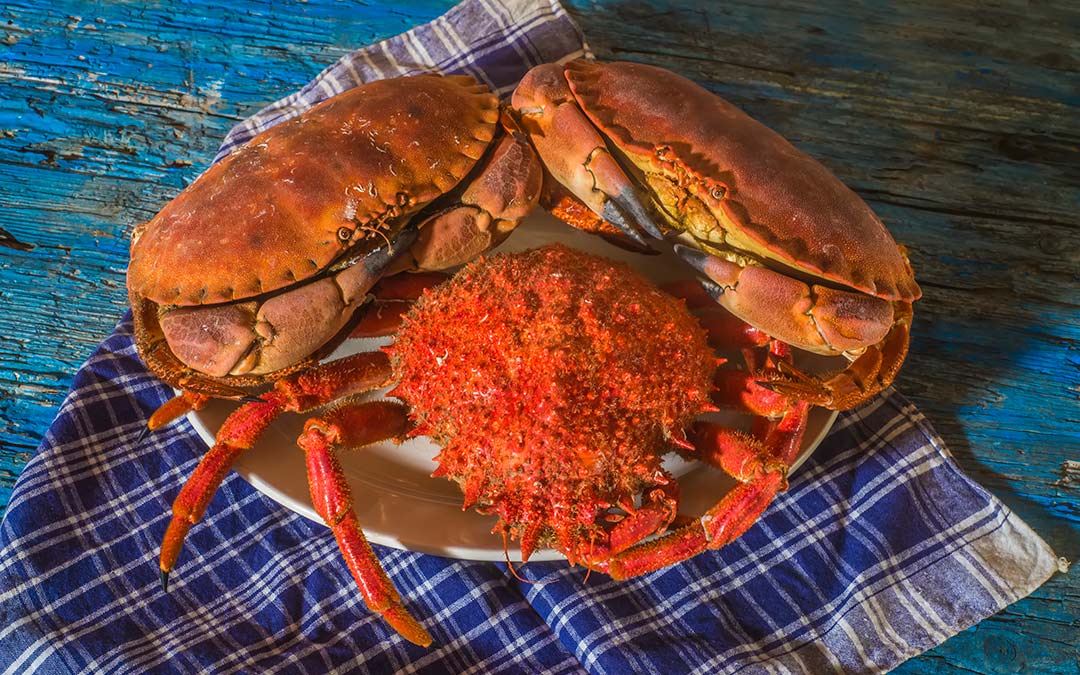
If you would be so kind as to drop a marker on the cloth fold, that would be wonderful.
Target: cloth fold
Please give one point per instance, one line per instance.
(880, 550)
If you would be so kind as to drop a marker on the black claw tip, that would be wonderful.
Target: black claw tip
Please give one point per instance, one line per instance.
(611, 213)
(693, 257)
(164, 581)
(251, 399)
(142, 435)
(628, 202)
(712, 288)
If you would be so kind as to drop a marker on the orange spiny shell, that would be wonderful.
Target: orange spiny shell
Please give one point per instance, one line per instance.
(554, 380)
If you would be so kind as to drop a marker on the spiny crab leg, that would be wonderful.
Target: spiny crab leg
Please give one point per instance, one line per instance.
(394, 297)
(381, 318)
(740, 389)
(727, 330)
(659, 509)
(761, 468)
(660, 506)
(355, 426)
(303, 391)
(724, 329)
(407, 285)
(743, 390)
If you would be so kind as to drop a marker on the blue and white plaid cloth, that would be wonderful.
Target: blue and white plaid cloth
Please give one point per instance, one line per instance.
(880, 550)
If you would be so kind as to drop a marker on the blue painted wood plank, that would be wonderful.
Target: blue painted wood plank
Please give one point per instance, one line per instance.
(958, 122)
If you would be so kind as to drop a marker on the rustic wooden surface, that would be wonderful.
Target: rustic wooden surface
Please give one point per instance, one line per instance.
(958, 124)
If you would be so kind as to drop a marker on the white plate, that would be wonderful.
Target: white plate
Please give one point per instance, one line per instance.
(398, 502)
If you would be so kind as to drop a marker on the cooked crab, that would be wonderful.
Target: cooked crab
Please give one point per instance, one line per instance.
(555, 383)
(256, 270)
(783, 244)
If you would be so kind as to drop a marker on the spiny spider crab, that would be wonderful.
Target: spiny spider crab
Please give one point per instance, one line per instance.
(555, 381)
(784, 245)
(255, 271)
(542, 377)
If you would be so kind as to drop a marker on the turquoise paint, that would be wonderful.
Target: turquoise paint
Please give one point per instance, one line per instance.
(957, 124)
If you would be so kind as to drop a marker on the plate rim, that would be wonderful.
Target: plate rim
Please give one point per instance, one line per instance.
(485, 554)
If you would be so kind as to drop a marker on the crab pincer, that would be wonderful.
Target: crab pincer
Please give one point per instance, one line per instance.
(577, 155)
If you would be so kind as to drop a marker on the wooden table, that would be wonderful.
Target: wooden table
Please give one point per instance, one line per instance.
(958, 124)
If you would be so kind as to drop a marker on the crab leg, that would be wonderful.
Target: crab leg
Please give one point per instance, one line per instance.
(175, 407)
(303, 391)
(659, 509)
(354, 426)
(576, 154)
(760, 466)
(238, 433)
(735, 388)
(380, 319)
(692, 292)
(864, 378)
(727, 330)
(393, 298)
(741, 389)
(407, 285)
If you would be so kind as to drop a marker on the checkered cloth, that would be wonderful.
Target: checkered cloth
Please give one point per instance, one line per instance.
(881, 548)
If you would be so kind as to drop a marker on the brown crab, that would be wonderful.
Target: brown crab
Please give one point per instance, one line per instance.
(256, 270)
(784, 245)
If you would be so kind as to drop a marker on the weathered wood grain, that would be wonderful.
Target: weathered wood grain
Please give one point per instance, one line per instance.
(957, 122)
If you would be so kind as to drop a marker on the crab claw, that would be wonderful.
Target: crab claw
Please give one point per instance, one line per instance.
(815, 318)
(872, 331)
(624, 209)
(264, 335)
(576, 155)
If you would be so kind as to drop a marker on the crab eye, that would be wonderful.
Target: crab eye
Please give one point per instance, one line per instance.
(344, 234)
(718, 192)
(661, 152)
